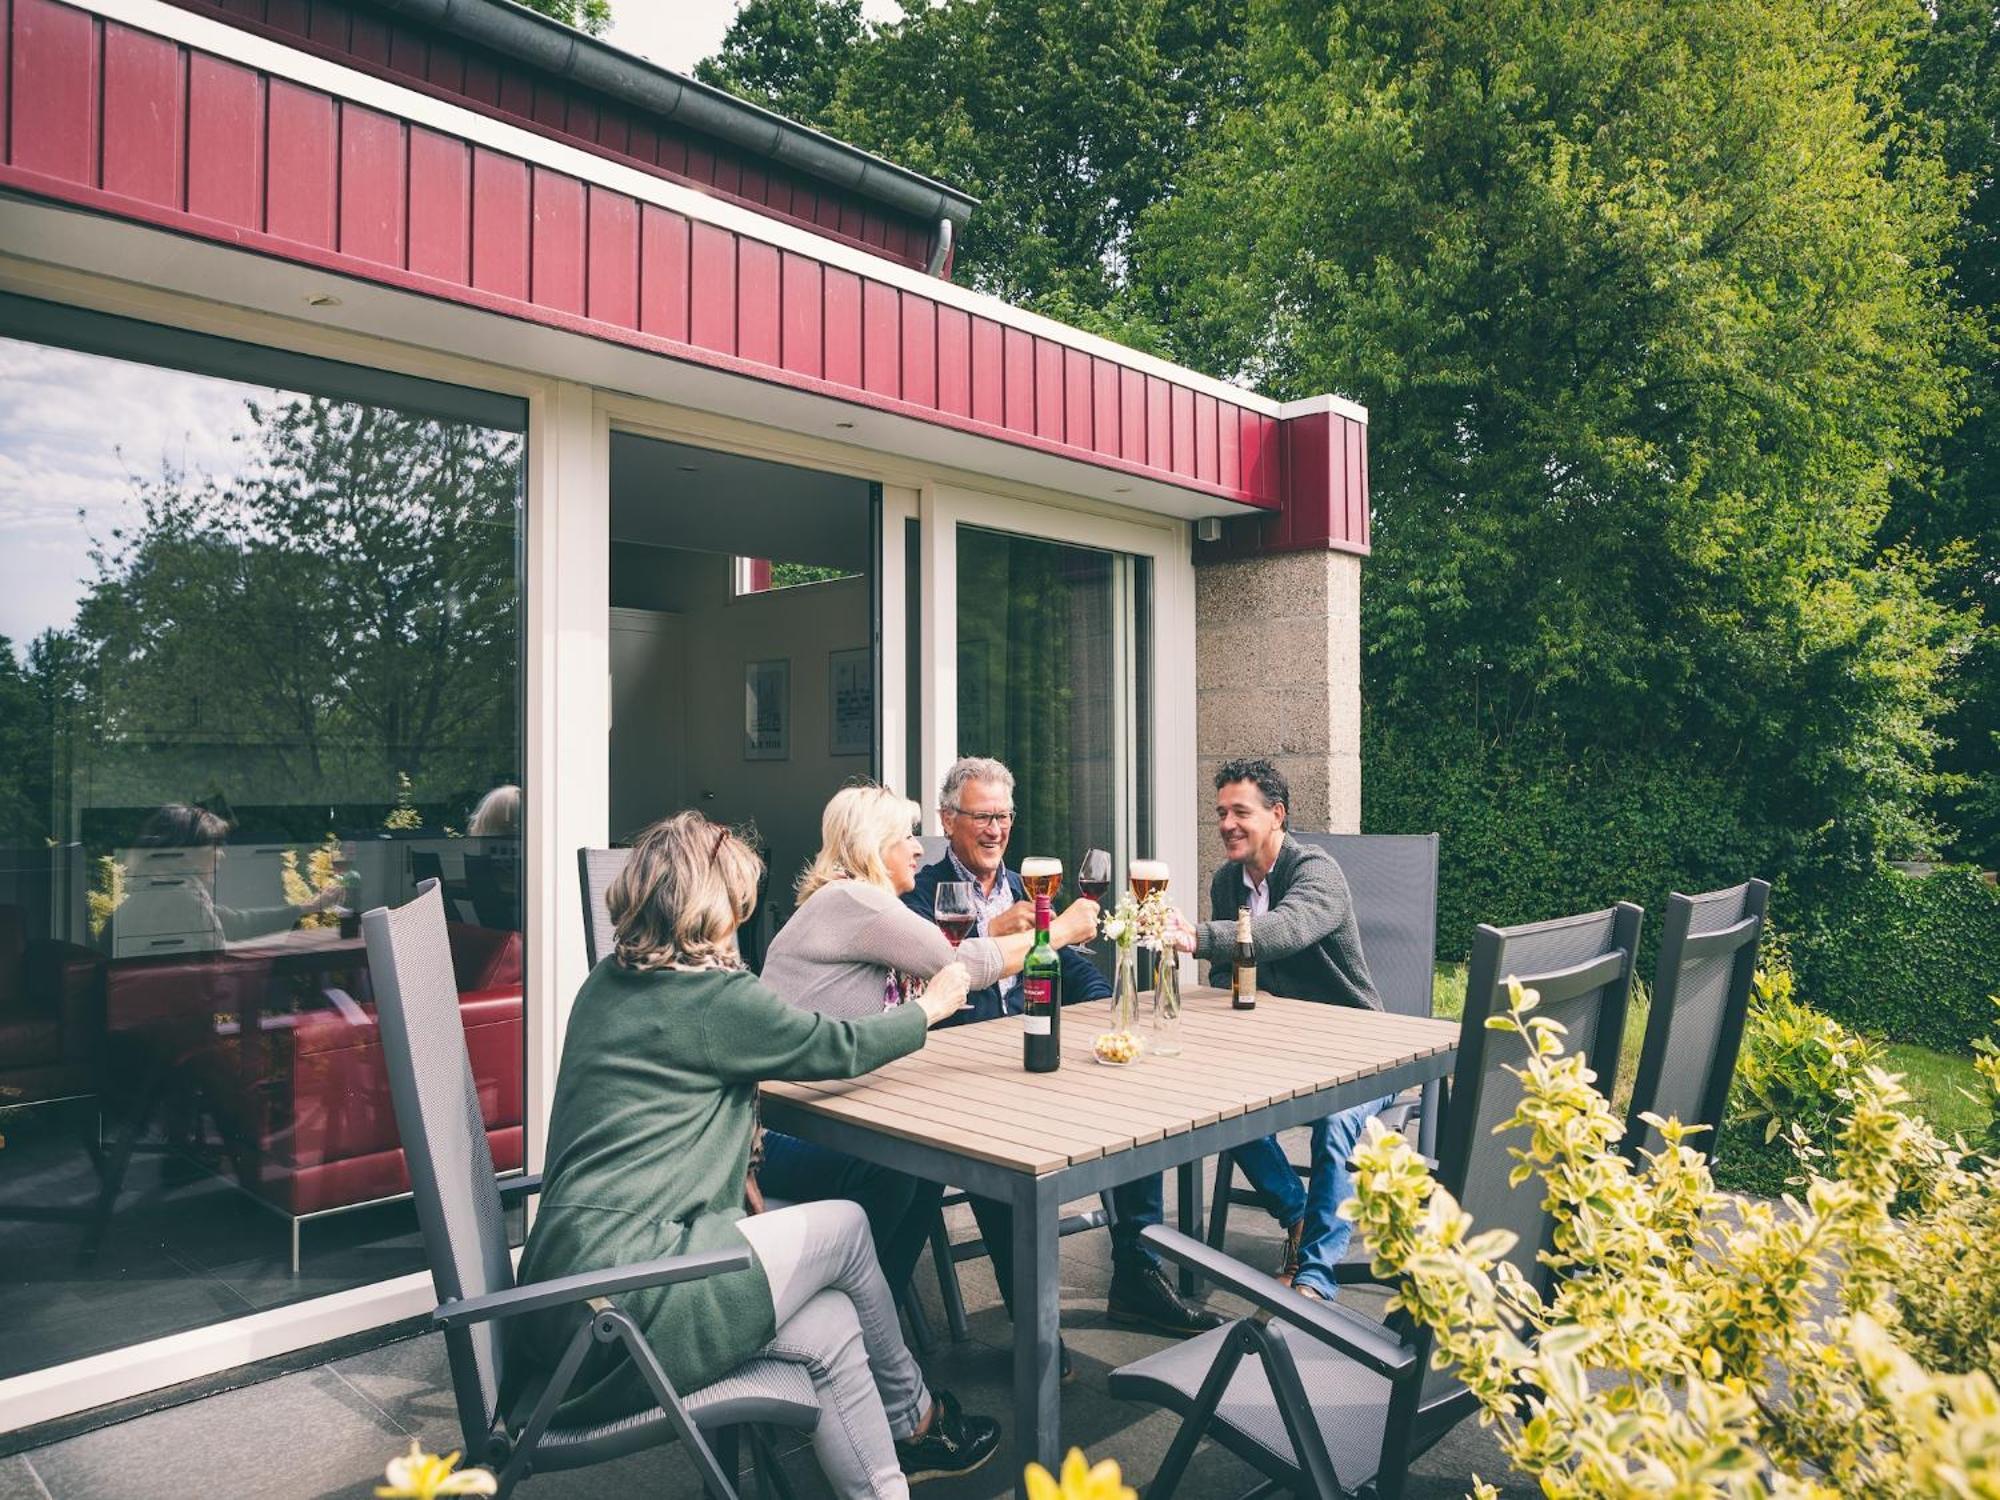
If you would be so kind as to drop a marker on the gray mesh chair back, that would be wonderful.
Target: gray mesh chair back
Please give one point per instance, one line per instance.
(1394, 880)
(596, 869)
(1323, 1401)
(443, 1136)
(1582, 966)
(1701, 994)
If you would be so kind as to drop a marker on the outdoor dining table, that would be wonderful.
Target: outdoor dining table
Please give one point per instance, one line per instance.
(963, 1111)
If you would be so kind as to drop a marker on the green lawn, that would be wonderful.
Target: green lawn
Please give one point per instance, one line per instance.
(1945, 1088)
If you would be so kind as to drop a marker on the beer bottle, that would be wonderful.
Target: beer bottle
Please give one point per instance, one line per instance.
(1243, 978)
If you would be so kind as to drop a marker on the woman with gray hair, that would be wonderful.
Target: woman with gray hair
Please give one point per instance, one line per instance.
(649, 1139)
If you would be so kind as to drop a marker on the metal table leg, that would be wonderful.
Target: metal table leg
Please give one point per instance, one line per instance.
(1037, 1334)
(1190, 1217)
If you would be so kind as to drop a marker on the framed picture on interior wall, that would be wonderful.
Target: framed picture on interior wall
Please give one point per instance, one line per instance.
(767, 709)
(850, 704)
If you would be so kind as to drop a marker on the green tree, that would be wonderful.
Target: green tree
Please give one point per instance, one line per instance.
(1952, 504)
(786, 55)
(1646, 304)
(344, 612)
(1067, 121)
(593, 17)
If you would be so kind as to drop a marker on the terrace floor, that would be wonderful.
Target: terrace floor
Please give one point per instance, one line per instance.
(327, 1431)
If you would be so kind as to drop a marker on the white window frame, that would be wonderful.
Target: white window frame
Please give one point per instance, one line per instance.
(1167, 545)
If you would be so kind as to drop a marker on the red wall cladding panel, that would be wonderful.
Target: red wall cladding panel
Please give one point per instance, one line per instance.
(440, 198)
(500, 241)
(804, 314)
(225, 143)
(760, 303)
(402, 49)
(556, 245)
(372, 193)
(663, 274)
(881, 340)
(142, 116)
(127, 122)
(299, 201)
(613, 282)
(52, 90)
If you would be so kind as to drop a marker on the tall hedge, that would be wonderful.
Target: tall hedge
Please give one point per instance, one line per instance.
(1913, 959)
(1530, 832)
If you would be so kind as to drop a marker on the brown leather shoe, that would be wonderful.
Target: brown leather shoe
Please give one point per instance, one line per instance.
(1288, 1265)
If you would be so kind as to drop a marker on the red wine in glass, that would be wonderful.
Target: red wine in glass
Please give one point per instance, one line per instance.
(951, 909)
(1093, 874)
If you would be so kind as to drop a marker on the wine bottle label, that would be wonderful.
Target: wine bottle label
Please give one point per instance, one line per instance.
(1036, 992)
(1246, 978)
(1036, 1025)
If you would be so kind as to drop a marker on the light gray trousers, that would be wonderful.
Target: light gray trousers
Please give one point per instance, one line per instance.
(836, 1317)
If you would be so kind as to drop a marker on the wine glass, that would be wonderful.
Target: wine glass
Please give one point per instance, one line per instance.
(1093, 874)
(951, 909)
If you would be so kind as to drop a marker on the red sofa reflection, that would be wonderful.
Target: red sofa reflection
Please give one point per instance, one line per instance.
(274, 1045)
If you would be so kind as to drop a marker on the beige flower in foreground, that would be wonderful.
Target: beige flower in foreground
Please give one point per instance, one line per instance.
(418, 1475)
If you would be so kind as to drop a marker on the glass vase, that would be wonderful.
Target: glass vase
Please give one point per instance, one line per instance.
(1166, 1029)
(1121, 1043)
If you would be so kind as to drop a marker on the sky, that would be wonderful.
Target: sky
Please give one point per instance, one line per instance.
(679, 33)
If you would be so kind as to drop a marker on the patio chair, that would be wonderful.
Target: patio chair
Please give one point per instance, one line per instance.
(1701, 994)
(596, 869)
(1324, 1402)
(1394, 881)
(460, 1208)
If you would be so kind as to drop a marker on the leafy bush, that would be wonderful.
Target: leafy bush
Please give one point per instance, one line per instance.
(1792, 1073)
(1902, 956)
(1816, 1349)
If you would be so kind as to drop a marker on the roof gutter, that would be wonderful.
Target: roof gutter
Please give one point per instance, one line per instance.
(562, 50)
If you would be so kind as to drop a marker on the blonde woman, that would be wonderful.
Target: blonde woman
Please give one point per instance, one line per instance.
(852, 949)
(655, 1107)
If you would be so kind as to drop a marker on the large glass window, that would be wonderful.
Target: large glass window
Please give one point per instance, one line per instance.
(1052, 679)
(260, 669)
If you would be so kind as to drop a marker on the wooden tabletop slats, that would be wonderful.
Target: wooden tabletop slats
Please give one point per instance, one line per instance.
(967, 1090)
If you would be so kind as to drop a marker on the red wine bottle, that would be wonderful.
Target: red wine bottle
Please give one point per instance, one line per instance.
(1041, 995)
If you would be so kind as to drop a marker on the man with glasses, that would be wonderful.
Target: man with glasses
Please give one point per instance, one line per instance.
(976, 806)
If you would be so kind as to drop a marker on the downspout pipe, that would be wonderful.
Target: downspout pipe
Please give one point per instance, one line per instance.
(532, 38)
(940, 261)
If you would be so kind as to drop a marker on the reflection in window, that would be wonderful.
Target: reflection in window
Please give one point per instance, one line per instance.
(260, 669)
(1052, 679)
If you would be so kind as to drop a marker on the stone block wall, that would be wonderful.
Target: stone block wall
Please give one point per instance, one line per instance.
(1278, 674)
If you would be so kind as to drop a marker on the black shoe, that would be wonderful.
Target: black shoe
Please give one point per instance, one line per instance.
(956, 1442)
(1143, 1297)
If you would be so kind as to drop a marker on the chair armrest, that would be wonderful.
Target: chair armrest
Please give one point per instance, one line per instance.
(521, 1185)
(1369, 1343)
(540, 1295)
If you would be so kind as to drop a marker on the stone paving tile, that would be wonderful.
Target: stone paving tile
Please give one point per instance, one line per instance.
(18, 1480)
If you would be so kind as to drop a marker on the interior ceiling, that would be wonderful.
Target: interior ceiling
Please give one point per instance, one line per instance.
(671, 495)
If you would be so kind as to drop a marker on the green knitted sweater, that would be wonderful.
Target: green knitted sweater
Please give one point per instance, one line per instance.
(648, 1142)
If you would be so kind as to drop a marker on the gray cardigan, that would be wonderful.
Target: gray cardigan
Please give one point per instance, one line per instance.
(838, 950)
(1308, 943)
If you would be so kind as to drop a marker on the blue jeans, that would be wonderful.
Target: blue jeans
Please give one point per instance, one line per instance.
(1272, 1174)
(900, 1208)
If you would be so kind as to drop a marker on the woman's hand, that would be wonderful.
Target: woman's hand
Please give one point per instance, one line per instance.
(1077, 924)
(944, 995)
(1180, 931)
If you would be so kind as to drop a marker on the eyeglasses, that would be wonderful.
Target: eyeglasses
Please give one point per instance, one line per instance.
(985, 819)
